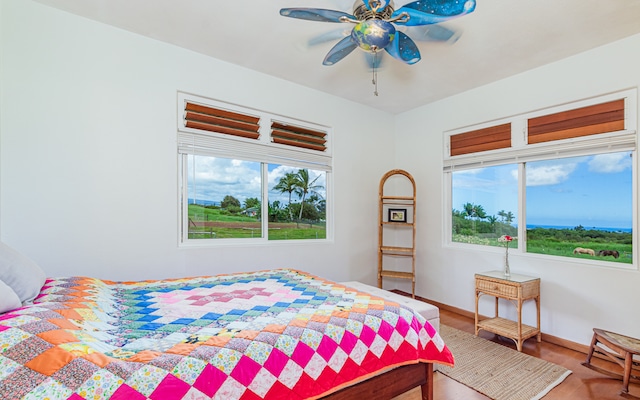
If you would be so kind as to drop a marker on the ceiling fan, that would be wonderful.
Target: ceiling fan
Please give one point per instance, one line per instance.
(374, 28)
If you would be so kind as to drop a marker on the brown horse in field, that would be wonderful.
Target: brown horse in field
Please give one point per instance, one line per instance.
(581, 250)
(604, 253)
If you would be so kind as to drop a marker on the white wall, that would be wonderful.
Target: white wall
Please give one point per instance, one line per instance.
(575, 297)
(88, 153)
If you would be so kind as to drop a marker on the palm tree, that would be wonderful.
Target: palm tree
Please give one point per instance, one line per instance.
(288, 183)
(479, 212)
(509, 217)
(468, 210)
(503, 215)
(304, 187)
(474, 212)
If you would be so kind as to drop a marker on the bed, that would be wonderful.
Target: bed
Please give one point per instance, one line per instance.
(271, 334)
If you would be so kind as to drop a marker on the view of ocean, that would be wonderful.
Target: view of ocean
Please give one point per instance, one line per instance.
(204, 202)
(597, 228)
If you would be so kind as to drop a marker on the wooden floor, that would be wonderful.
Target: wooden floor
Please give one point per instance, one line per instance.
(582, 384)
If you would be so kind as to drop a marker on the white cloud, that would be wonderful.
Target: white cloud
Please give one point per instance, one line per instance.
(474, 171)
(550, 174)
(472, 182)
(471, 179)
(217, 177)
(486, 179)
(610, 163)
(279, 172)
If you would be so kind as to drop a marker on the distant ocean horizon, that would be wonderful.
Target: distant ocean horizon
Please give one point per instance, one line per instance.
(596, 228)
(202, 202)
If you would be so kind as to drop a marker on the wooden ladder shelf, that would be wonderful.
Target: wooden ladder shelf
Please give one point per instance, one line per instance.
(397, 214)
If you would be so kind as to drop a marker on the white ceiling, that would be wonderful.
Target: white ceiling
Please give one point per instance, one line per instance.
(499, 39)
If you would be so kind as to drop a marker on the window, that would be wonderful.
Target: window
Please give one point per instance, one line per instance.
(561, 181)
(581, 202)
(485, 204)
(297, 207)
(250, 176)
(224, 198)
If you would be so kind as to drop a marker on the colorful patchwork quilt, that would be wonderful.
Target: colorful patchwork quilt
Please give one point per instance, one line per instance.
(277, 334)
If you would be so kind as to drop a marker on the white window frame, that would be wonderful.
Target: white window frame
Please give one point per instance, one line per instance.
(521, 152)
(262, 150)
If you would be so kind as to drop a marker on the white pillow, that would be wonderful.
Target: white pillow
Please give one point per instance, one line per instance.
(9, 300)
(20, 273)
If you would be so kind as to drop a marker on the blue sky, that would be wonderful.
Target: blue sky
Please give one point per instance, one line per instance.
(592, 191)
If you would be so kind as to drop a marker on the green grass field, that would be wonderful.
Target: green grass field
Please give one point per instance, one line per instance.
(211, 223)
(566, 249)
(558, 247)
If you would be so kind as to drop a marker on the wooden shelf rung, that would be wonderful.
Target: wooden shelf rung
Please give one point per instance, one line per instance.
(396, 249)
(397, 274)
(407, 198)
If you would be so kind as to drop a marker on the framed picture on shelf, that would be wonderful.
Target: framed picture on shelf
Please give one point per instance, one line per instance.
(397, 215)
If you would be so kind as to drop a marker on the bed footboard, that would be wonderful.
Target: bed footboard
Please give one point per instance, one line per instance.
(390, 384)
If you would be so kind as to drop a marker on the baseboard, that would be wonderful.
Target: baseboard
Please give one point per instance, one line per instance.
(465, 313)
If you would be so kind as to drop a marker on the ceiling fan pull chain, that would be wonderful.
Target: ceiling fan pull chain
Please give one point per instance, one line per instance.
(374, 80)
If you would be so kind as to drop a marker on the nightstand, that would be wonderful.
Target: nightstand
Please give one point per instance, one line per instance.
(517, 289)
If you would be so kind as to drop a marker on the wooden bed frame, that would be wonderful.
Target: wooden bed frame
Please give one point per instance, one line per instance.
(390, 384)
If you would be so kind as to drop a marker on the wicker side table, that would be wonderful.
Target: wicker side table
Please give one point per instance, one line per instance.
(517, 289)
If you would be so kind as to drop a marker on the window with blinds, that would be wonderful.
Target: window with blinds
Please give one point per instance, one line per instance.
(296, 136)
(491, 138)
(249, 175)
(560, 181)
(590, 126)
(591, 120)
(210, 119)
(595, 119)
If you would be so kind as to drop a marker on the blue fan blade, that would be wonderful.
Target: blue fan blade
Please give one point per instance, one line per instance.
(315, 14)
(426, 12)
(329, 36)
(449, 8)
(403, 49)
(342, 49)
(382, 4)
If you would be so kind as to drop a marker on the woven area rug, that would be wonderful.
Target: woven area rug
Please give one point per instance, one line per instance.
(497, 371)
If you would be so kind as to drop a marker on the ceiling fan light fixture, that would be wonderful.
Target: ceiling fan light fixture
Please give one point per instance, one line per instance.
(373, 35)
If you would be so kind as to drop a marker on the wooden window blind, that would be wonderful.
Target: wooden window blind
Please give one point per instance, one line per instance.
(590, 120)
(299, 137)
(492, 138)
(212, 119)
